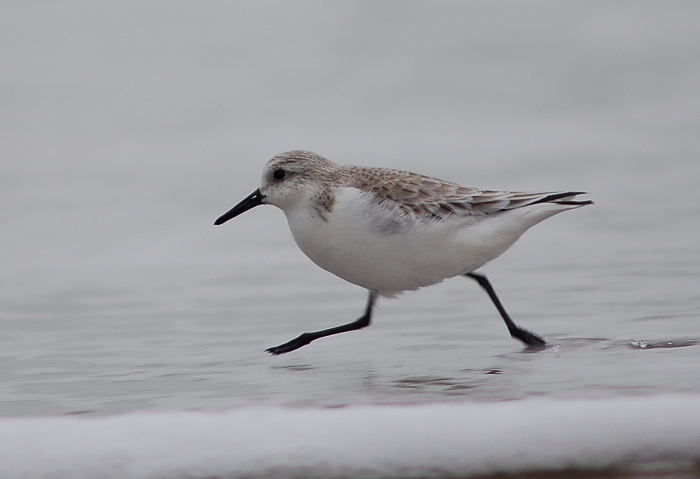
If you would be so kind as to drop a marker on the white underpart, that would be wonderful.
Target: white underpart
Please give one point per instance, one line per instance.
(383, 250)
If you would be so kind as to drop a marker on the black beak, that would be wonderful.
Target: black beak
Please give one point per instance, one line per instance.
(251, 201)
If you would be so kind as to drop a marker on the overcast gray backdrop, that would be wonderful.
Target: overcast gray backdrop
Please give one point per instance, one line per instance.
(126, 128)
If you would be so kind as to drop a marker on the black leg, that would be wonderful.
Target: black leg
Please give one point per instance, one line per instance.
(306, 338)
(527, 337)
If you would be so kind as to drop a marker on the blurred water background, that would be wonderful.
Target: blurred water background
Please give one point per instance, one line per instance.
(126, 128)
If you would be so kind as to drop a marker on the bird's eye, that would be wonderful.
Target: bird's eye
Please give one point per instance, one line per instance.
(279, 174)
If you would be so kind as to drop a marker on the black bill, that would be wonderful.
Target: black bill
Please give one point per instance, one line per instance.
(251, 201)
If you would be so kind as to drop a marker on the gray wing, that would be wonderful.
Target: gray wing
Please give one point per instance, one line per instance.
(423, 195)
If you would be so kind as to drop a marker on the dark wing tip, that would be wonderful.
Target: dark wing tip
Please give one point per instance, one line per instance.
(575, 202)
(564, 198)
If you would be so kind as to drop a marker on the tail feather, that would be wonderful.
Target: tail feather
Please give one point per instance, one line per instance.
(564, 198)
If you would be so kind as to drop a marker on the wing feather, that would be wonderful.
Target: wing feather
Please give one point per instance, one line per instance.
(424, 195)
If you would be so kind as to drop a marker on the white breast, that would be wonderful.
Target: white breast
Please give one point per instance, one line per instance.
(381, 249)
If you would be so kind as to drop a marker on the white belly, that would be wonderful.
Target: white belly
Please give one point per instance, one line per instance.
(373, 247)
(378, 249)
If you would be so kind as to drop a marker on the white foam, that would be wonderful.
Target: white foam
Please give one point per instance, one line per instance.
(462, 438)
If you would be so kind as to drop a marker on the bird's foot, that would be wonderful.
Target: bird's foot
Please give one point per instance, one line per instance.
(296, 343)
(528, 337)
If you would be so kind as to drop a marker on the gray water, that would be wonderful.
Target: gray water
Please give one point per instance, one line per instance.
(126, 128)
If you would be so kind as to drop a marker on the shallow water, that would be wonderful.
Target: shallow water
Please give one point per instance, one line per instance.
(127, 128)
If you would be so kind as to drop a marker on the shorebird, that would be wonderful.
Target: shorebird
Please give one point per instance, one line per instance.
(390, 231)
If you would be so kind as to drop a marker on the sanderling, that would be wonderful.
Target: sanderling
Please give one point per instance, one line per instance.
(390, 231)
